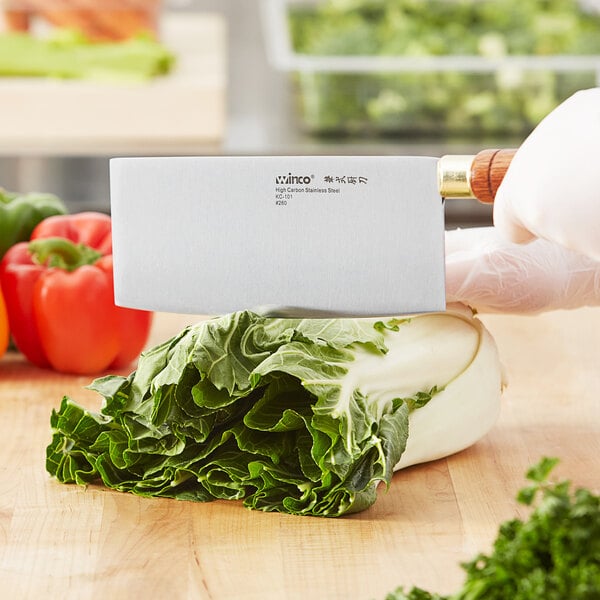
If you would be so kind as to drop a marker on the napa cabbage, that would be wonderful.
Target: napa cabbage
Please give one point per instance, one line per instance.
(305, 416)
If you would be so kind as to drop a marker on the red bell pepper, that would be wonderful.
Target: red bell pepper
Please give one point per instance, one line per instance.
(3, 326)
(59, 297)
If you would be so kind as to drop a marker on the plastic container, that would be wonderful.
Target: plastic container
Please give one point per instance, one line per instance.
(420, 95)
(98, 20)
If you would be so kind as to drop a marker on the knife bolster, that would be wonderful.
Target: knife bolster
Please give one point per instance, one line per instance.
(479, 176)
(454, 176)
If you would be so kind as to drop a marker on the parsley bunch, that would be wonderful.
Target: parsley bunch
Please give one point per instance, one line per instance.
(554, 555)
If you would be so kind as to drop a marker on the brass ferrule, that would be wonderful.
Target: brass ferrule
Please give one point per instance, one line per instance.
(454, 176)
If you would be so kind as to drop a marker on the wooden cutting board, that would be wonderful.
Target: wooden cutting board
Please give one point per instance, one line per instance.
(62, 541)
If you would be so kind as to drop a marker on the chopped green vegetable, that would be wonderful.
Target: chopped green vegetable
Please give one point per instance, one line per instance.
(69, 55)
(509, 99)
(300, 416)
(554, 555)
(439, 27)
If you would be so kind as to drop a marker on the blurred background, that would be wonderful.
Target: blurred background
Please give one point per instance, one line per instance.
(274, 77)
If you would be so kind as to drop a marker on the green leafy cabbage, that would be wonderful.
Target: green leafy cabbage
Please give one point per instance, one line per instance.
(301, 416)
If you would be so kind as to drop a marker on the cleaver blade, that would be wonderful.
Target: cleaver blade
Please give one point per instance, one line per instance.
(297, 236)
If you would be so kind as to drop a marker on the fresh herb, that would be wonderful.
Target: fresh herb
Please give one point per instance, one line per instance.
(553, 555)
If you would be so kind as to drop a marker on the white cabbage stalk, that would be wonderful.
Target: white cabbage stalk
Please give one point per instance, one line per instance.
(468, 407)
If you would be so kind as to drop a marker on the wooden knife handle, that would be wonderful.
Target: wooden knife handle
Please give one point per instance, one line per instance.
(476, 176)
(487, 172)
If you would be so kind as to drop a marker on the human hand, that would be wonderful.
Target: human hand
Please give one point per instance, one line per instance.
(552, 188)
(492, 274)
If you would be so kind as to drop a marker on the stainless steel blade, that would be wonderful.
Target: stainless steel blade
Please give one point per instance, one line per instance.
(301, 236)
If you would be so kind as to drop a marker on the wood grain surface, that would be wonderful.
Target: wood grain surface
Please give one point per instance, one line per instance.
(487, 172)
(63, 541)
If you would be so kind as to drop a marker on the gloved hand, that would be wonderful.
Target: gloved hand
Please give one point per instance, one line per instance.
(492, 274)
(552, 187)
(551, 195)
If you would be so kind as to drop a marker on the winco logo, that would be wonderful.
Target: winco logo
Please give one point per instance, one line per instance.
(289, 179)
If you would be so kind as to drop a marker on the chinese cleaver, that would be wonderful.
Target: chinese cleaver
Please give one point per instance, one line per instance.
(289, 235)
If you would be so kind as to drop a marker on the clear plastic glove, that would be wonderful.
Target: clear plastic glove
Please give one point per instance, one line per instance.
(552, 188)
(551, 195)
(492, 274)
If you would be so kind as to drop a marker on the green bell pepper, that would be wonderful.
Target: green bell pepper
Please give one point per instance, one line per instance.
(20, 213)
